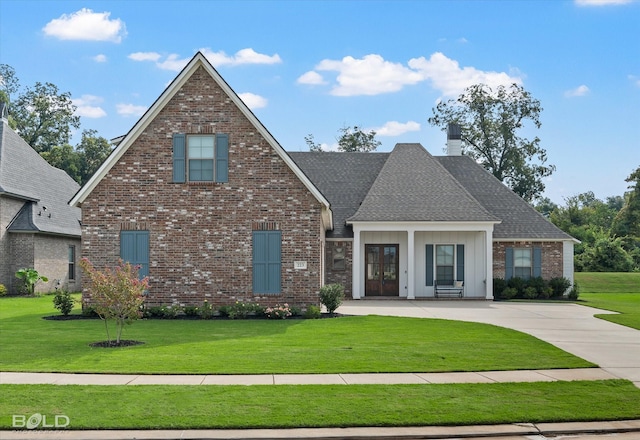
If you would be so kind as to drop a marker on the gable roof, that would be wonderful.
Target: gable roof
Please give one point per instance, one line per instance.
(413, 186)
(344, 179)
(25, 175)
(519, 219)
(198, 60)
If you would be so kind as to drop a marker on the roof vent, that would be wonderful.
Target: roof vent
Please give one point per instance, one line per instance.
(454, 139)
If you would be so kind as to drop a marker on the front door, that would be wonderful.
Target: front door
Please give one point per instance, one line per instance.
(381, 277)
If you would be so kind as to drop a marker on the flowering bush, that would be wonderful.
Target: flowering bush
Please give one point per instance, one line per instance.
(116, 294)
(278, 312)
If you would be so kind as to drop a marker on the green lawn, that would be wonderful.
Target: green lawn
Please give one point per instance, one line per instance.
(341, 345)
(617, 292)
(177, 407)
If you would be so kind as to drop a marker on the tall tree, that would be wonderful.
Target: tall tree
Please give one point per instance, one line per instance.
(92, 150)
(44, 116)
(627, 222)
(490, 120)
(9, 84)
(351, 139)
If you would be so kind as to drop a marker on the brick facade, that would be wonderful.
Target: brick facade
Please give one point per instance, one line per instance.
(201, 233)
(551, 257)
(340, 276)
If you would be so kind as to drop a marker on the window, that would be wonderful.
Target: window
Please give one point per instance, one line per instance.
(267, 262)
(338, 258)
(522, 263)
(444, 264)
(201, 158)
(72, 262)
(447, 261)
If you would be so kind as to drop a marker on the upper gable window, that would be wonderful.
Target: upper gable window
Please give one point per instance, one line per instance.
(200, 158)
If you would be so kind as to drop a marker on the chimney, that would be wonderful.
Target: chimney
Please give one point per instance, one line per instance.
(454, 139)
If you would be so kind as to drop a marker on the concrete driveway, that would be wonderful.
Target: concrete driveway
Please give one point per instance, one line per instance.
(571, 327)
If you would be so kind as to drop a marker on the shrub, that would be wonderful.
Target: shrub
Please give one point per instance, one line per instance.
(312, 312)
(575, 291)
(331, 296)
(63, 302)
(559, 286)
(241, 310)
(509, 292)
(162, 312)
(191, 311)
(537, 283)
(546, 292)
(205, 311)
(3, 290)
(499, 284)
(116, 294)
(29, 278)
(278, 312)
(530, 292)
(517, 283)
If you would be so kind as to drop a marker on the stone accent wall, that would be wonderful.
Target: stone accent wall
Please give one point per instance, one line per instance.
(551, 257)
(343, 277)
(201, 233)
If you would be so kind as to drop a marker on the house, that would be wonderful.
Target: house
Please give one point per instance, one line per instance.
(205, 200)
(38, 228)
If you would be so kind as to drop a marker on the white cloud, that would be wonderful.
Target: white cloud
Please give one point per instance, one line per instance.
(634, 80)
(173, 62)
(312, 78)
(243, 56)
(395, 128)
(601, 2)
(578, 91)
(87, 106)
(447, 76)
(371, 75)
(86, 25)
(144, 56)
(253, 101)
(130, 109)
(101, 58)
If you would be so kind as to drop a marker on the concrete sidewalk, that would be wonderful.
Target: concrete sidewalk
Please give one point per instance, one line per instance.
(307, 379)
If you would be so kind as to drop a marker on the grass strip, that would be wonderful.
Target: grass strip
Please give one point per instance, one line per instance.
(284, 406)
(358, 344)
(616, 292)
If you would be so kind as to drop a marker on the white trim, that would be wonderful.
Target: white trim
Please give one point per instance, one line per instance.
(199, 60)
(535, 240)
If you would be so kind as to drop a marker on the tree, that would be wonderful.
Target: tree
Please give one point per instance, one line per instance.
(351, 140)
(546, 206)
(627, 222)
(8, 83)
(489, 121)
(65, 158)
(92, 151)
(44, 116)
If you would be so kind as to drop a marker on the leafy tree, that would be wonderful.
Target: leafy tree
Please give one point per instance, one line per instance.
(351, 139)
(606, 255)
(65, 158)
(44, 116)
(545, 206)
(489, 121)
(92, 150)
(627, 222)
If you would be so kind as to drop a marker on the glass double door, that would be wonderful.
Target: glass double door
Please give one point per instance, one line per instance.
(381, 277)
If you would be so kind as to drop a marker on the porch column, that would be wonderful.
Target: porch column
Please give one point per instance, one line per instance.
(411, 265)
(356, 276)
(489, 258)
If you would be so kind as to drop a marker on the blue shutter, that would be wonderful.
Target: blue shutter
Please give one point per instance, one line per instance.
(179, 158)
(429, 268)
(134, 249)
(222, 158)
(537, 262)
(508, 263)
(460, 262)
(267, 261)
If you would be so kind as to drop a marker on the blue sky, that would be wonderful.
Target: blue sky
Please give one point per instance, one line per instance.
(312, 67)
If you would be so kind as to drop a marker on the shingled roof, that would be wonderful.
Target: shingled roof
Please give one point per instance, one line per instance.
(25, 175)
(519, 219)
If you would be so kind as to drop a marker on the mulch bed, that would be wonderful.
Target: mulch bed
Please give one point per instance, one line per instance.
(114, 344)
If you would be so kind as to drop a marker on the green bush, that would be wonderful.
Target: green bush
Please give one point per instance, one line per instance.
(278, 312)
(517, 283)
(191, 311)
(242, 310)
(206, 311)
(575, 291)
(312, 312)
(530, 292)
(559, 286)
(162, 312)
(63, 302)
(499, 284)
(331, 296)
(537, 283)
(3, 290)
(29, 278)
(509, 292)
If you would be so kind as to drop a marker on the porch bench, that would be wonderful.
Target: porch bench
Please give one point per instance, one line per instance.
(449, 288)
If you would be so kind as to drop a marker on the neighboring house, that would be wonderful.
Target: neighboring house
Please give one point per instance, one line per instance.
(205, 200)
(38, 228)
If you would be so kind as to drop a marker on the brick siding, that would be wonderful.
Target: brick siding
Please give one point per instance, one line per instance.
(201, 233)
(551, 257)
(343, 277)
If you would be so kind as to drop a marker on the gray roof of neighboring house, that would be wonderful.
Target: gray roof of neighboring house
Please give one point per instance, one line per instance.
(46, 190)
(519, 219)
(410, 184)
(343, 178)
